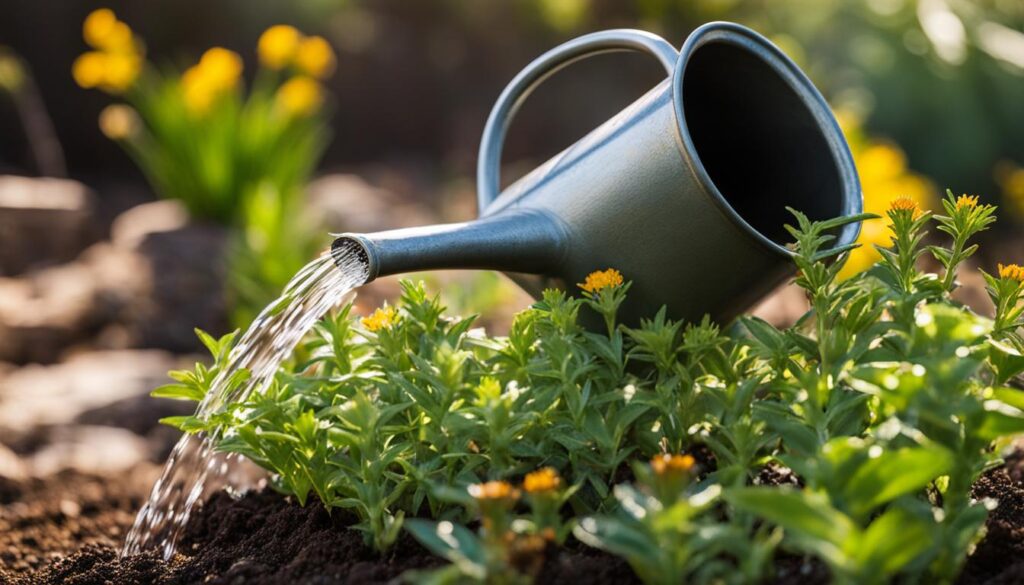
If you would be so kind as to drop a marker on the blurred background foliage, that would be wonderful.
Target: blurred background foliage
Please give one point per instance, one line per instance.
(929, 91)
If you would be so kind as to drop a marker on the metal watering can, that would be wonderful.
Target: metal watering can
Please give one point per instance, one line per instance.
(684, 191)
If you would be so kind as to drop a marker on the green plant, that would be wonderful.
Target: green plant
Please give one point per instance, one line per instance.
(235, 157)
(884, 403)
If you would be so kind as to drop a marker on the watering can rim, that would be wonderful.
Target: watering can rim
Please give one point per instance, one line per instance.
(852, 197)
(675, 63)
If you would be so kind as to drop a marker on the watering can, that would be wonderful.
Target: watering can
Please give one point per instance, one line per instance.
(684, 191)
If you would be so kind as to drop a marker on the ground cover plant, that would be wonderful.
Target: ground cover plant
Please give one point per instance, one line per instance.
(885, 403)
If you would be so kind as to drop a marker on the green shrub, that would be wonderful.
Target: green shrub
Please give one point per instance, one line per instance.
(887, 400)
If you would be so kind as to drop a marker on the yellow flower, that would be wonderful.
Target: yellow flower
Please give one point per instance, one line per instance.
(380, 319)
(221, 68)
(601, 279)
(967, 201)
(111, 72)
(216, 73)
(122, 69)
(543, 480)
(315, 57)
(89, 69)
(672, 464)
(277, 46)
(494, 491)
(102, 30)
(1012, 271)
(119, 122)
(299, 96)
(904, 204)
(883, 174)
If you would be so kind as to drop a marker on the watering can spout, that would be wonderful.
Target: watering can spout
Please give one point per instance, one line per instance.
(526, 241)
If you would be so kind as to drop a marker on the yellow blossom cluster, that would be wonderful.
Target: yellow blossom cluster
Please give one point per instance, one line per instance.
(282, 46)
(905, 204)
(601, 279)
(382, 318)
(117, 58)
(1012, 272)
(544, 480)
(884, 175)
(216, 74)
(311, 57)
(965, 200)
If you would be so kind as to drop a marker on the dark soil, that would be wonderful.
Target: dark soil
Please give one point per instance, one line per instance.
(67, 530)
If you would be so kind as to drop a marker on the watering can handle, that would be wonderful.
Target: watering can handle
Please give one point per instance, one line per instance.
(489, 160)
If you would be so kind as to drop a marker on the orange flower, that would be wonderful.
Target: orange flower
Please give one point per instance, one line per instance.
(494, 491)
(672, 464)
(905, 204)
(1012, 272)
(967, 201)
(601, 279)
(543, 480)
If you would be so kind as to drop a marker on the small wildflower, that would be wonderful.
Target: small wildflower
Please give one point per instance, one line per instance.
(217, 72)
(277, 46)
(382, 318)
(601, 279)
(543, 480)
(905, 204)
(102, 30)
(1012, 272)
(969, 201)
(314, 57)
(299, 96)
(89, 69)
(671, 464)
(119, 122)
(493, 491)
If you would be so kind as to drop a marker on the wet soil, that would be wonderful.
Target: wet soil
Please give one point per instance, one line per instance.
(67, 530)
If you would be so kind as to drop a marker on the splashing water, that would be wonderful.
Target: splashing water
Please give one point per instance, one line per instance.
(194, 469)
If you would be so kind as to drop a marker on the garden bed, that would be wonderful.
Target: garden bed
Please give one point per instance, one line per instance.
(67, 530)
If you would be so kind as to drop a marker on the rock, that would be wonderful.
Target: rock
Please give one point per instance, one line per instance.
(186, 289)
(11, 466)
(130, 228)
(43, 221)
(157, 279)
(44, 313)
(38, 396)
(89, 449)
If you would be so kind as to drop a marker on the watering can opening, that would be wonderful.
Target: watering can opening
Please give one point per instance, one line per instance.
(739, 98)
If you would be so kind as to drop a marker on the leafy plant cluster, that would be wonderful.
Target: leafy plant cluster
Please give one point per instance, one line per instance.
(885, 402)
(241, 157)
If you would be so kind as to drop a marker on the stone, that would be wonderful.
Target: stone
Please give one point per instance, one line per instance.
(43, 221)
(49, 310)
(56, 395)
(89, 449)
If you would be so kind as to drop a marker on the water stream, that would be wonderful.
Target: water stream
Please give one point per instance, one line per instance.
(194, 469)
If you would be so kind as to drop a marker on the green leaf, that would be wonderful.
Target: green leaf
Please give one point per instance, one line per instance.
(452, 542)
(891, 542)
(892, 474)
(802, 513)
